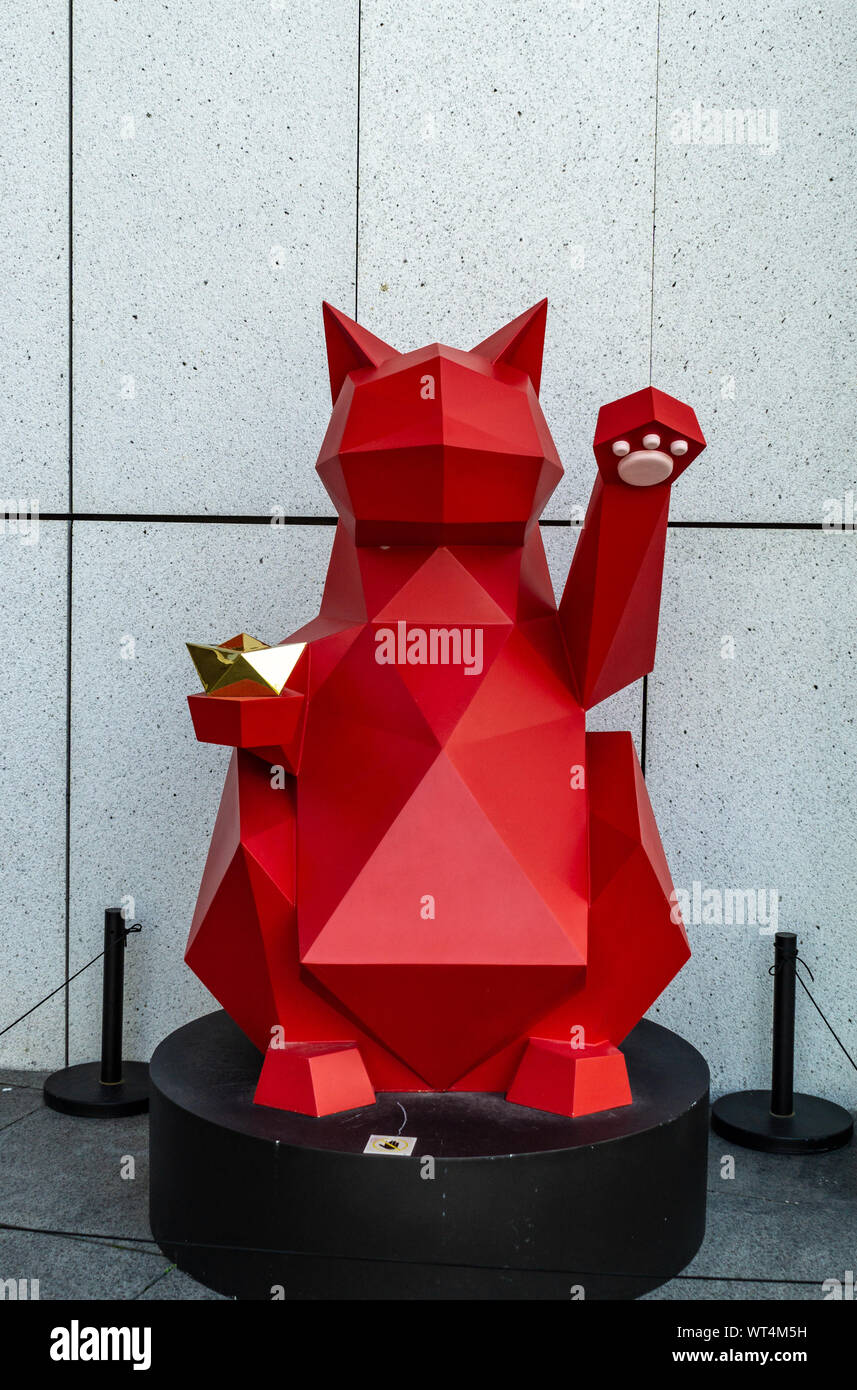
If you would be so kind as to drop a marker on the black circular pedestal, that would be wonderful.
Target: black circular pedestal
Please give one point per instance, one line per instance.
(79, 1091)
(816, 1126)
(495, 1201)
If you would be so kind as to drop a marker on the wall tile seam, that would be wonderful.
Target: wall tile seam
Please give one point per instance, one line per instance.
(198, 518)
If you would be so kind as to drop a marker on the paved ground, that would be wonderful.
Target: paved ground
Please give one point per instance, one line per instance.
(68, 1217)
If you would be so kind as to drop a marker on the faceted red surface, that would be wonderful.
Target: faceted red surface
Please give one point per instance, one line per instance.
(422, 860)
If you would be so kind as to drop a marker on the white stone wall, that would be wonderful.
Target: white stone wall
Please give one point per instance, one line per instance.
(441, 166)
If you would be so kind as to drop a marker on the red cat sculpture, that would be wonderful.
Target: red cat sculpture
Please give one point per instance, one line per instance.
(425, 874)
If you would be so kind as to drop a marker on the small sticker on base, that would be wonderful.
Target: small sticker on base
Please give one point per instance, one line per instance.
(397, 1144)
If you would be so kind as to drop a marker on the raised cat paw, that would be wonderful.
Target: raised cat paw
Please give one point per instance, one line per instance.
(650, 464)
(646, 438)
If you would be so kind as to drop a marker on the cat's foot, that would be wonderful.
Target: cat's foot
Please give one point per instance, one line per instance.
(569, 1080)
(319, 1078)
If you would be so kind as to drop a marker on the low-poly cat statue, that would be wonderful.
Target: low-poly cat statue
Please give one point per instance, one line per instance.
(425, 875)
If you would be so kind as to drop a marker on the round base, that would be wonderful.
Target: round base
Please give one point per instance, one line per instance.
(78, 1091)
(493, 1201)
(815, 1127)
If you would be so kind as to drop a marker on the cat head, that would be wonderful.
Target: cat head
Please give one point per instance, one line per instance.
(437, 446)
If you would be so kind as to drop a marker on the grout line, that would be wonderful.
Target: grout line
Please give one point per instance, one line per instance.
(70, 258)
(157, 1279)
(19, 1119)
(199, 518)
(70, 551)
(196, 518)
(357, 171)
(755, 525)
(67, 857)
(654, 195)
(132, 1244)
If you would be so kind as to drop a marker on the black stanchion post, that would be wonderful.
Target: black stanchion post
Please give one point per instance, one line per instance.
(781, 1121)
(111, 1086)
(783, 1047)
(113, 997)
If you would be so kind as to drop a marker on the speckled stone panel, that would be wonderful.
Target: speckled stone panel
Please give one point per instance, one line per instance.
(33, 616)
(34, 235)
(215, 161)
(751, 773)
(755, 294)
(507, 153)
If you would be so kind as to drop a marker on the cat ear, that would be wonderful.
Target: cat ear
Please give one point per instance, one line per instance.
(520, 344)
(349, 347)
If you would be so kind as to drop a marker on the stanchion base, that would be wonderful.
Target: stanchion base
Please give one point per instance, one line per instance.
(493, 1200)
(79, 1091)
(815, 1127)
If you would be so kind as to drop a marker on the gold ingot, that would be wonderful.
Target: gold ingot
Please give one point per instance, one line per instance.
(244, 643)
(245, 658)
